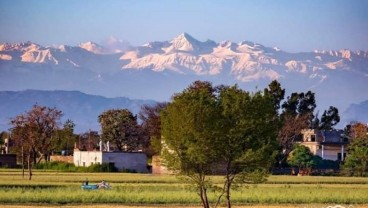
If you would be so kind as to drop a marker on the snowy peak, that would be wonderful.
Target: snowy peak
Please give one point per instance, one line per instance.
(246, 61)
(185, 42)
(92, 47)
(25, 46)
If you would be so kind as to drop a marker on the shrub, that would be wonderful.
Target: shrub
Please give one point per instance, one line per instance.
(68, 167)
(104, 167)
(55, 165)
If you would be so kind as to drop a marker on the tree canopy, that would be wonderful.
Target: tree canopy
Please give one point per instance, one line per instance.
(356, 162)
(34, 132)
(149, 115)
(297, 113)
(225, 129)
(120, 127)
(301, 157)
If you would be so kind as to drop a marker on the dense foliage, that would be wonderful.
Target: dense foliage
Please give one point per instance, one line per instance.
(120, 128)
(302, 158)
(224, 129)
(356, 162)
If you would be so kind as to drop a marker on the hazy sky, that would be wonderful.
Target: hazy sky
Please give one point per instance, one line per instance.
(289, 24)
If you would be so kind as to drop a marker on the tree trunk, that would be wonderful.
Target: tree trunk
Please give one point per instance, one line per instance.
(22, 161)
(228, 182)
(34, 157)
(204, 197)
(203, 191)
(30, 166)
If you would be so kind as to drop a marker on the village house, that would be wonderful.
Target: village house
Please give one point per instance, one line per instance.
(123, 161)
(329, 145)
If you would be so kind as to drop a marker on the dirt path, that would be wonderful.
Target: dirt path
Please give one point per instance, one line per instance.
(181, 206)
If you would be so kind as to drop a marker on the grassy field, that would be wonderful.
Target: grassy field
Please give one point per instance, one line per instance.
(63, 189)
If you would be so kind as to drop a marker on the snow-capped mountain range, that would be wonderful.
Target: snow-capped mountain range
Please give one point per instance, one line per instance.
(246, 61)
(158, 69)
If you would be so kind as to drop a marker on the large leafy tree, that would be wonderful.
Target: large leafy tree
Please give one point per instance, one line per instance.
(120, 128)
(188, 125)
(246, 136)
(34, 131)
(208, 128)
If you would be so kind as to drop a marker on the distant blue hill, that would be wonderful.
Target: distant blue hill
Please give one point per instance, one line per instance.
(83, 109)
(357, 112)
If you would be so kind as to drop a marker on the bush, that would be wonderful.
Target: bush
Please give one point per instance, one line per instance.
(325, 164)
(59, 166)
(68, 167)
(104, 167)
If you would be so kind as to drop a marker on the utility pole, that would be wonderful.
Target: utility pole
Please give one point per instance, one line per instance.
(89, 140)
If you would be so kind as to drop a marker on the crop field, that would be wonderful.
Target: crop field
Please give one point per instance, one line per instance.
(145, 190)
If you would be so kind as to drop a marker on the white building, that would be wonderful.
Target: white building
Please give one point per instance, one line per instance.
(133, 161)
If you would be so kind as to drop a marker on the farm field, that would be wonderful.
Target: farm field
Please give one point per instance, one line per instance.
(60, 189)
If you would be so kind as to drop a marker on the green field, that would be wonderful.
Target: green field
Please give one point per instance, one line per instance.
(60, 188)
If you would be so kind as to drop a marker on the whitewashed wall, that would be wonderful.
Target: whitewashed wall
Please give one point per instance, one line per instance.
(122, 160)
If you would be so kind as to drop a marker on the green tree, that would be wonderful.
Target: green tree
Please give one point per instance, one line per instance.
(329, 119)
(300, 104)
(65, 138)
(207, 127)
(120, 127)
(188, 125)
(302, 158)
(356, 162)
(246, 136)
(297, 114)
(276, 92)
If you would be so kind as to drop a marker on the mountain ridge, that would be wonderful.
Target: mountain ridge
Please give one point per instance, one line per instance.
(81, 108)
(159, 69)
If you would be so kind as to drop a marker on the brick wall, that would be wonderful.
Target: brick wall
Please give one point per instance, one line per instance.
(60, 158)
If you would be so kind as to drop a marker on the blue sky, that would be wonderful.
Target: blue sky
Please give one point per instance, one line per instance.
(289, 24)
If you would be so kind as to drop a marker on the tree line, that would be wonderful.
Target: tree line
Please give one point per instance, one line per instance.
(203, 130)
(39, 133)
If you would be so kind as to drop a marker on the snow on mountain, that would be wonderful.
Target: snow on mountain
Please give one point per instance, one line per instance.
(246, 61)
(87, 56)
(158, 69)
(92, 47)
